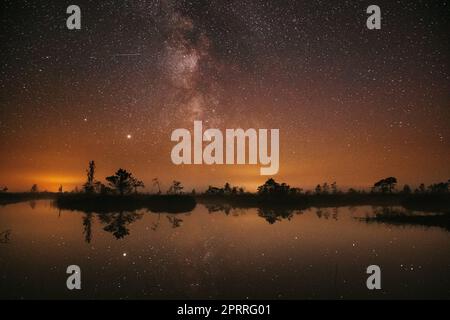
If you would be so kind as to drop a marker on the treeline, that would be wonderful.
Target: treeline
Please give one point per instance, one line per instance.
(384, 192)
(120, 193)
(383, 186)
(123, 182)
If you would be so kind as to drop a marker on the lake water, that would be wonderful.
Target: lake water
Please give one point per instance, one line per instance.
(208, 254)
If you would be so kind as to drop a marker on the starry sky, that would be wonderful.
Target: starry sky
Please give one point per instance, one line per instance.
(353, 105)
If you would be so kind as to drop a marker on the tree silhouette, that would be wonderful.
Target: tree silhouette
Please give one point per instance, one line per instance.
(271, 187)
(157, 184)
(34, 188)
(421, 188)
(441, 187)
(385, 185)
(90, 172)
(175, 188)
(60, 189)
(334, 188)
(121, 181)
(352, 191)
(325, 188)
(227, 188)
(213, 190)
(135, 184)
(406, 189)
(390, 182)
(318, 189)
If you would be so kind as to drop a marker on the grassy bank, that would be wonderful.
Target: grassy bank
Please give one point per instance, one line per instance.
(427, 202)
(15, 197)
(115, 203)
(396, 217)
(439, 203)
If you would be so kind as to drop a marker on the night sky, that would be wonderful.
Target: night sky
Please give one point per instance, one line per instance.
(353, 105)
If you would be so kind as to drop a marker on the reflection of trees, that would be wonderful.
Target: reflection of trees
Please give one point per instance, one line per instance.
(387, 211)
(5, 236)
(326, 214)
(176, 222)
(173, 220)
(218, 207)
(155, 225)
(398, 216)
(87, 226)
(117, 222)
(32, 204)
(273, 215)
(334, 215)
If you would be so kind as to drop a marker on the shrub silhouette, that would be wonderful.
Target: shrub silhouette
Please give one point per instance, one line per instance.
(271, 187)
(385, 185)
(121, 181)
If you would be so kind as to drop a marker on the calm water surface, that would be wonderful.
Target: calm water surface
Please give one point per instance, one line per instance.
(245, 253)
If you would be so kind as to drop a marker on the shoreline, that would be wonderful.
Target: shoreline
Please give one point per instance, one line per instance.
(429, 202)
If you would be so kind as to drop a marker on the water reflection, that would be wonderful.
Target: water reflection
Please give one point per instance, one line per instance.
(155, 225)
(212, 208)
(272, 215)
(327, 213)
(118, 223)
(32, 204)
(390, 215)
(221, 252)
(174, 221)
(5, 236)
(87, 226)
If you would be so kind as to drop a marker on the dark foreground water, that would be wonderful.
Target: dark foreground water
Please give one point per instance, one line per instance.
(245, 253)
